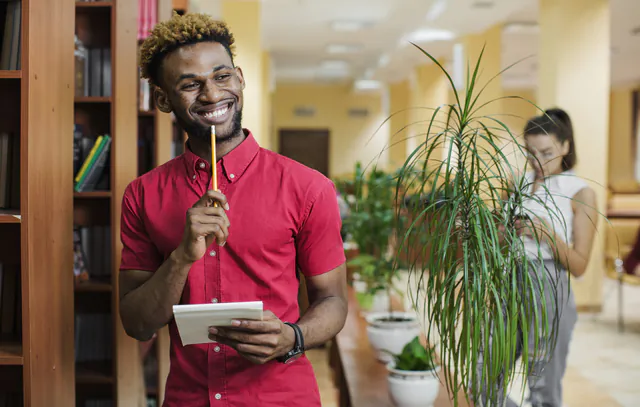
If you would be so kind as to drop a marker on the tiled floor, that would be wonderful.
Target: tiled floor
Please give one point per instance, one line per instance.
(604, 364)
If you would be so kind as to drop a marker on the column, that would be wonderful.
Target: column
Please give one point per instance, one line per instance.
(490, 66)
(267, 93)
(429, 89)
(574, 75)
(399, 95)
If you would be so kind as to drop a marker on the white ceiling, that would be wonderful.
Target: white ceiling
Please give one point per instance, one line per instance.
(299, 32)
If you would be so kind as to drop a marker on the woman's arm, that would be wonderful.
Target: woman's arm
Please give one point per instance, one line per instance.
(576, 258)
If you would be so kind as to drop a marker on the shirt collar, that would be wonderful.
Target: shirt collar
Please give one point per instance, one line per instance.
(234, 164)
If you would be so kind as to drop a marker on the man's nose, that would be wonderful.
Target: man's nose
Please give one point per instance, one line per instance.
(210, 92)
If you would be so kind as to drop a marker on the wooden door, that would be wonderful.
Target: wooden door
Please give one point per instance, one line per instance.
(308, 147)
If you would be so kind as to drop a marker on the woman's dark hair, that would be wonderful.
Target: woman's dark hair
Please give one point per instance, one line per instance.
(557, 122)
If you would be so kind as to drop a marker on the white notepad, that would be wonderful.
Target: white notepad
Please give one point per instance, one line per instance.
(194, 320)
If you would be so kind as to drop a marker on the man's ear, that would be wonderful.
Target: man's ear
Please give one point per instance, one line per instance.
(162, 100)
(240, 76)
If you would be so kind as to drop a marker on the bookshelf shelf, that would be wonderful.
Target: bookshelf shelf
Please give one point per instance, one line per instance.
(93, 286)
(10, 216)
(11, 354)
(93, 4)
(10, 74)
(93, 373)
(147, 113)
(92, 195)
(92, 99)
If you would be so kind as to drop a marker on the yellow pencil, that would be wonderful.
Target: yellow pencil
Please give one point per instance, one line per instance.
(214, 167)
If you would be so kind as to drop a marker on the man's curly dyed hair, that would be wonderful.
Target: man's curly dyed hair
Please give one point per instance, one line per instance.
(179, 31)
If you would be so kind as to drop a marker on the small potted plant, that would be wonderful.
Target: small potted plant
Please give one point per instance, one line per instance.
(413, 380)
(371, 223)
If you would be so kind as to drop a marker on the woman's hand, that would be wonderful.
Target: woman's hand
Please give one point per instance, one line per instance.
(536, 228)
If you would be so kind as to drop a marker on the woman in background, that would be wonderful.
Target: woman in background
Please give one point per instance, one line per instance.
(559, 236)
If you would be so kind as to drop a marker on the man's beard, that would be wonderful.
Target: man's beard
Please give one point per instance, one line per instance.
(199, 132)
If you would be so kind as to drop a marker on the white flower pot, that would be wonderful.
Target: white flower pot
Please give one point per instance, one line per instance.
(379, 302)
(411, 388)
(391, 336)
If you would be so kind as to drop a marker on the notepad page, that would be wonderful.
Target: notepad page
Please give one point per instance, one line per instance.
(193, 320)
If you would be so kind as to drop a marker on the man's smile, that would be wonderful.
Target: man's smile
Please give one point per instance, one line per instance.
(216, 114)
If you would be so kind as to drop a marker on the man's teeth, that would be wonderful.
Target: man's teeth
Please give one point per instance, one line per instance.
(217, 113)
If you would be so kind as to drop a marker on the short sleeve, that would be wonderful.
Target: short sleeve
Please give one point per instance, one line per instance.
(138, 251)
(319, 243)
(572, 184)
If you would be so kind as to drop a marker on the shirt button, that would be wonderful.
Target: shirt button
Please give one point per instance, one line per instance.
(194, 176)
(212, 253)
(216, 349)
(232, 176)
(214, 300)
(202, 165)
(218, 396)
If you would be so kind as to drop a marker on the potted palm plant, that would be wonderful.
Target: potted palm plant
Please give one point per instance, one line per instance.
(412, 378)
(465, 252)
(371, 224)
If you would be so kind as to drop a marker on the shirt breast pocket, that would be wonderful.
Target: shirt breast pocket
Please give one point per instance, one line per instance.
(262, 234)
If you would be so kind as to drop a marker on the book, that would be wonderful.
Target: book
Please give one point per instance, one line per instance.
(193, 320)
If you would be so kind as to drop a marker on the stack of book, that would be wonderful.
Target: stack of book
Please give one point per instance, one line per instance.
(9, 170)
(93, 167)
(10, 38)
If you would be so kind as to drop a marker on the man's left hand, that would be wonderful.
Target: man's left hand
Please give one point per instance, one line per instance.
(257, 341)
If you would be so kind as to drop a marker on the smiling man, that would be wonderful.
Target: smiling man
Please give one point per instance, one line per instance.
(275, 219)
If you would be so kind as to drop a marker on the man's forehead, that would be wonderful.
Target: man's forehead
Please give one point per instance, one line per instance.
(200, 54)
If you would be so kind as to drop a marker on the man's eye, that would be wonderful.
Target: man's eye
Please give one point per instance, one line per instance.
(223, 77)
(190, 86)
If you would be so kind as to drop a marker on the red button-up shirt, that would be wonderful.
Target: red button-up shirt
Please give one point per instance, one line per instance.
(283, 215)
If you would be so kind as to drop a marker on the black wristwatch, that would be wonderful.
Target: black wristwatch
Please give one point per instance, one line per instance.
(298, 347)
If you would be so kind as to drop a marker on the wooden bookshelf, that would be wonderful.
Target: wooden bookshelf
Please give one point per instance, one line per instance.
(92, 194)
(92, 99)
(109, 109)
(16, 74)
(10, 216)
(11, 354)
(36, 110)
(156, 146)
(94, 4)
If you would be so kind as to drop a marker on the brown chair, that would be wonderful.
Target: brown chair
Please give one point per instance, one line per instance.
(621, 237)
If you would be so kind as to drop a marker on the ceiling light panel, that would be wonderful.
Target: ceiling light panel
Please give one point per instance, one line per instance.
(344, 48)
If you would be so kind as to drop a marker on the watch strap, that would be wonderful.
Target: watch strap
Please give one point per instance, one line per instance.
(299, 344)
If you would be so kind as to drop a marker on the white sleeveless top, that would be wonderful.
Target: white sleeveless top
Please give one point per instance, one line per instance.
(553, 203)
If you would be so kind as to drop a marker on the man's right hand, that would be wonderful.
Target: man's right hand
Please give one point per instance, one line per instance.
(204, 223)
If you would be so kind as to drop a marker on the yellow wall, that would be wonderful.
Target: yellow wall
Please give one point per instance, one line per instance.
(429, 89)
(621, 152)
(244, 21)
(399, 95)
(489, 43)
(578, 81)
(351, 139)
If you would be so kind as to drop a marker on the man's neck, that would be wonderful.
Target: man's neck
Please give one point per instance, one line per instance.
(202, 148)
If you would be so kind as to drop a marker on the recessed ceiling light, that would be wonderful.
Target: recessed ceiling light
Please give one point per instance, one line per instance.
(367, 85)
(522, 28)
(348, 26)
(335, 65)
(428, 35)
(344, 48)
